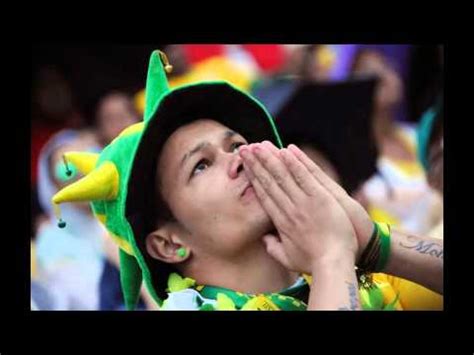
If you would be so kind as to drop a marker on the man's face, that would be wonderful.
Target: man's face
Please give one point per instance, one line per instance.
(201, 178)
(390, 87)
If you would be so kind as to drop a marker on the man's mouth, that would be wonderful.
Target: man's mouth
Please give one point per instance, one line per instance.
(247, 191)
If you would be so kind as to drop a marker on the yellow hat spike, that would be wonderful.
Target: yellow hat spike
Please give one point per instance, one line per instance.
(101, 183)
(85, 162)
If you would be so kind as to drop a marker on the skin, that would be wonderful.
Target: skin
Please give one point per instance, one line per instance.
(220, 229)
(415, 258)
(115, 113)
(294, 219)
(314, 234)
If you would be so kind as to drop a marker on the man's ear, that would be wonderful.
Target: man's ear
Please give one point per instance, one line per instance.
(164, 244)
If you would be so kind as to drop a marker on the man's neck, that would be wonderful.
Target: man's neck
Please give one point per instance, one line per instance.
(252, 272)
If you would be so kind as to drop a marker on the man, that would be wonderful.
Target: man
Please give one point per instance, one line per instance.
(173, 193)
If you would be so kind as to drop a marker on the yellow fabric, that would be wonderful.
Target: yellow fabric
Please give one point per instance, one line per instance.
(224, 303)
(100, 184)
(411, 295)
(177, 283)
(121, 242)
(410, 168)
(308, 278)
(389, 293)
(261, 303)
(34, 268)
(381, 216)
(214, 68)
(83, 161)
(326, 56)
(139, 101)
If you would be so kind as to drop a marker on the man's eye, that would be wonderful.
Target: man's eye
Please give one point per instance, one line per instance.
(200, 167)
(235, 146)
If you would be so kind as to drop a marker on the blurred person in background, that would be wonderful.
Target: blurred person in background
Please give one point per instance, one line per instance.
(399, 194)
(337, 137)
(53, 109)
(115, 112)
(75, 264)
(69, 260)
(430, 152)
(409, 295)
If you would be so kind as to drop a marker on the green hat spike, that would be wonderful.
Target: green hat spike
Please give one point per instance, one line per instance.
(156, 82)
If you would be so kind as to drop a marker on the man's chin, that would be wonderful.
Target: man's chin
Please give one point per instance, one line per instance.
(260, 223)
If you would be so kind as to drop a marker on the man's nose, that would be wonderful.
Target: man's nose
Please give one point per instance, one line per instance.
(236, 166)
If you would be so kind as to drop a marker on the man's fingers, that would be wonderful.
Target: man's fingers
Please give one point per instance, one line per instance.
(301, 175)
(337, 191)
(275, 248)
(268, 156)
(276, 214)
(265, 179)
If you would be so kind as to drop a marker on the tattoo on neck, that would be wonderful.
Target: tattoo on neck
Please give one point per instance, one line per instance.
(354, 302)
(423, 247)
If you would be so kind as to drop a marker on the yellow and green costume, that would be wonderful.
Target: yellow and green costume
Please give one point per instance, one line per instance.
(120, 180)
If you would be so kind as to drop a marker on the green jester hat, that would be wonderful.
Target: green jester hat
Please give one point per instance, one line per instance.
(120, 181)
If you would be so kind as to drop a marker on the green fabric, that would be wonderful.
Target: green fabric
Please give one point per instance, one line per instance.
(130, 280)
(284, 300)
(121, 152)
(424, 132)
(156, 86)
(384, 247)
(288, 300)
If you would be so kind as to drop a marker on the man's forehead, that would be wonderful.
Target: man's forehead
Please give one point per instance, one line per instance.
(187, 136)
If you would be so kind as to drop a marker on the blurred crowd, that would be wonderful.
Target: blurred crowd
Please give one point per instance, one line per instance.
(349, 107)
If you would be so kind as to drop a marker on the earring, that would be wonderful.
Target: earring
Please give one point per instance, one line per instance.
(181, 252)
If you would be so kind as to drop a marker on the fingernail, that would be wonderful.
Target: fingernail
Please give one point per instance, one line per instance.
(244, 152)
(284, 154)
(293, 147)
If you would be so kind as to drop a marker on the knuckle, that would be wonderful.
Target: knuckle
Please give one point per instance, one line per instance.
(265, 182)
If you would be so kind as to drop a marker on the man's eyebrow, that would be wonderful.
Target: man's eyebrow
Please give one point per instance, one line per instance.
(227, 134)
(196, 149)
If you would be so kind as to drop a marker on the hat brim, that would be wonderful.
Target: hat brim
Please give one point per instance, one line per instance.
(219, 101)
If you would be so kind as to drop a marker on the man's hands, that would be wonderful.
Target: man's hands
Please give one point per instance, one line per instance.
(305, 207)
